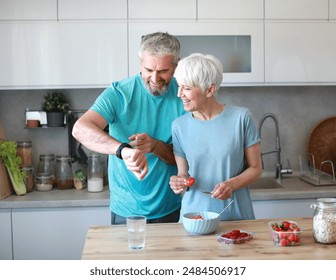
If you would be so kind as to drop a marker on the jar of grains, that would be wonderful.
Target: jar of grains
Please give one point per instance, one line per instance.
(43, 182)
(24, 151)
(324, 220)
(64, 178)
(28, 178)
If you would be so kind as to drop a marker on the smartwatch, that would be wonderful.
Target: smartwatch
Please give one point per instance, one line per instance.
(123, 145)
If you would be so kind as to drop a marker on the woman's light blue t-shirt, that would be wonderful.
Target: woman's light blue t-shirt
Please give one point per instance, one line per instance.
(214, 150)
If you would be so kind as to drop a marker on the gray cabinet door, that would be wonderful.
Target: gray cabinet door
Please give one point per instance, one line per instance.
(54, 233)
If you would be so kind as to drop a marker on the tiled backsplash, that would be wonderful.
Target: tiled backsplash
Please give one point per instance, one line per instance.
(298, 110)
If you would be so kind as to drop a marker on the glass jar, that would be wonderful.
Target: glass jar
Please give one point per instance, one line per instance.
(64, 178)
(95, 173)
(43, 182)
(28, 178)
(47, 165)
(324, 220)
(25, 152)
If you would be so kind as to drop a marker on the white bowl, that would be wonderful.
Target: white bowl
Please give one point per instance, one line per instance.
(207, 225)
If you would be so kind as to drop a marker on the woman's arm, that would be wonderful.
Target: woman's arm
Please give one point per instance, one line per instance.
(178, 183)
(250, 174)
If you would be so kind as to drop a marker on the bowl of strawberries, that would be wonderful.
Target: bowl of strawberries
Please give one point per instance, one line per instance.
(199, 223)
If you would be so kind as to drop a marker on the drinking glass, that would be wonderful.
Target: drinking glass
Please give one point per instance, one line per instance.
(136, 226)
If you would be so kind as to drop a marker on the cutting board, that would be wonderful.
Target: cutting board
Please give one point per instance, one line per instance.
(6, 188)
(322, 144)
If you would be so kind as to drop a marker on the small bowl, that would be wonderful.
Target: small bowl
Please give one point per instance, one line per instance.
(208, 223)
(227, 240)
(285, 238)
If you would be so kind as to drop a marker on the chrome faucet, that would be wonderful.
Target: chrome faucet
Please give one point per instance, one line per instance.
(279, 170)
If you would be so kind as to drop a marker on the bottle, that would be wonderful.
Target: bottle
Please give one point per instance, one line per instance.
(324, 220)
(94, 173)
(64, 178)
(47, 165)
(25, 152)
(43, 182)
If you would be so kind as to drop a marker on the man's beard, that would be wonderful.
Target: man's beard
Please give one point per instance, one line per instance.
(156, 91)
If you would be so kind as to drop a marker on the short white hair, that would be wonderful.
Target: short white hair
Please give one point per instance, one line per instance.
(199, 70)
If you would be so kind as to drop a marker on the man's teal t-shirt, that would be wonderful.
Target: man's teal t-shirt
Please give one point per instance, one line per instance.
(129, 108)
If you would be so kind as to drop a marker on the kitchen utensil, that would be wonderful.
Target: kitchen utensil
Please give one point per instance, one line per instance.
(226, 207)
(206, 192)
(314, 176)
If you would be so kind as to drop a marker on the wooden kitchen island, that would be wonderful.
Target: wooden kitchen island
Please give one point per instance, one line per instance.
(172, 242)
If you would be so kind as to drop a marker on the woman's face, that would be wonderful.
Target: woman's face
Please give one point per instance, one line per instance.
(193, 98)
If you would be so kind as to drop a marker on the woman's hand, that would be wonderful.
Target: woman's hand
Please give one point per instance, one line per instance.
(224, 189)
(178, 183)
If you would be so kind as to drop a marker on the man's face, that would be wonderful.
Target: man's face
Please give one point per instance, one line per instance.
(157, 72)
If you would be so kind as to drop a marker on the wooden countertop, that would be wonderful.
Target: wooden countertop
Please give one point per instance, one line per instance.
(171, 241)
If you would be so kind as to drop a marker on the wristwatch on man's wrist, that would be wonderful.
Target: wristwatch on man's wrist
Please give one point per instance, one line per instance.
(123, 145)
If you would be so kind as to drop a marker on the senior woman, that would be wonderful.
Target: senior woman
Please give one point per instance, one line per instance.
(217, 144)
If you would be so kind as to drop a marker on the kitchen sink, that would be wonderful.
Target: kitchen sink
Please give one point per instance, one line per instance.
(265, 183)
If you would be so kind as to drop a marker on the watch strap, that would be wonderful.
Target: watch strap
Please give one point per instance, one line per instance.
(122, 145)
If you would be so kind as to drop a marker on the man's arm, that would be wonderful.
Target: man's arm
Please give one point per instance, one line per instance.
(88, 130)
(147, 144)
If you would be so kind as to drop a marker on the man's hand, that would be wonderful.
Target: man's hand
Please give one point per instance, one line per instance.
(135, 161)
(147, 144)
(143, 142)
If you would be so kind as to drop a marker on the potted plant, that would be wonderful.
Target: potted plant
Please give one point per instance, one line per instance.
(55, 104)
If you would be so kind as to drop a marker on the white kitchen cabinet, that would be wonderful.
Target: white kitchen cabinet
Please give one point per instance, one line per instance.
(62, 54)
(273, 209)
(5, 235)
(54, 233)
(28, 10)
(162, 9)
(92, 9)
(208, 31)
(300, 53)
(332, 9)
(230, 9)
(297, 10)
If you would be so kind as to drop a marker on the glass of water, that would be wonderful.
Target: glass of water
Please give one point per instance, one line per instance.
(136, 226)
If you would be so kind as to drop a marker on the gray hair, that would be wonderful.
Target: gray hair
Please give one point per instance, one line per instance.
(160, 43)
(199, 70)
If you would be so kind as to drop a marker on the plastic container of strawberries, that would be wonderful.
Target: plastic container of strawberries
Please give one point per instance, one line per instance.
(285, 237)
(239, 238)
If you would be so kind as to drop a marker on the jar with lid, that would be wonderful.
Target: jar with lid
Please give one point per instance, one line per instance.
(64, 178)
(25, 152)
(43, 182)
(47, 165)
(28, 178)
(324, 220)
(94, 173)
